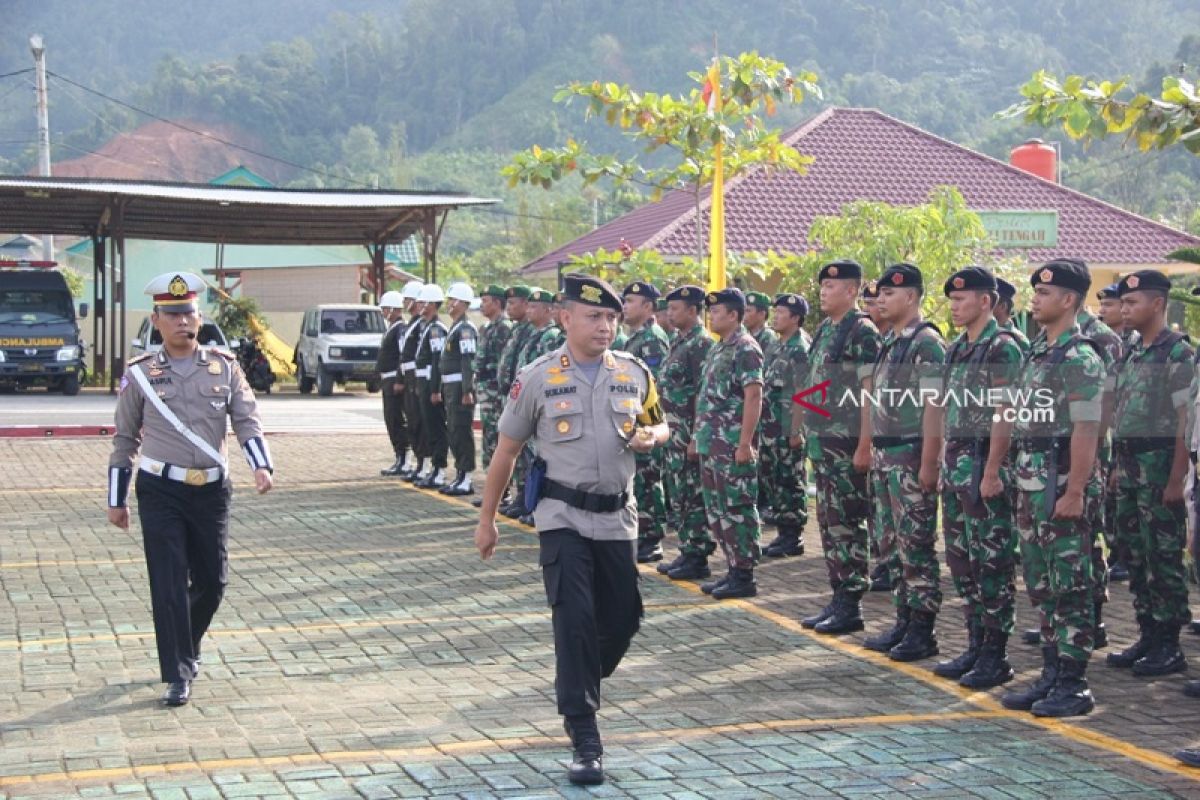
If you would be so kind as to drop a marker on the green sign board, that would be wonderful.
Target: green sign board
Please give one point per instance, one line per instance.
(1021, 228)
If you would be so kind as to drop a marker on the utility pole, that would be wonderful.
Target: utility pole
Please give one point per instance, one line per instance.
(43, 122)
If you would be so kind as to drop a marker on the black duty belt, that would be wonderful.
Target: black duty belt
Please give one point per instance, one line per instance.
(894, 441)
(585, 501)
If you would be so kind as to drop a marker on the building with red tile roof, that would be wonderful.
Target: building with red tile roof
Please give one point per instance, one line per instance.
(864, 154)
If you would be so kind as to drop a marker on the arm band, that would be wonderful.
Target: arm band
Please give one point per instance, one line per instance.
(257, 454)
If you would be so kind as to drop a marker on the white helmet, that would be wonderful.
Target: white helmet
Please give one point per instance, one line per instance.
(392, 299)
(461, 291)
(412, 290)
(431, 293)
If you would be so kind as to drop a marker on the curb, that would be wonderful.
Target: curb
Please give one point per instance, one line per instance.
(54, 431)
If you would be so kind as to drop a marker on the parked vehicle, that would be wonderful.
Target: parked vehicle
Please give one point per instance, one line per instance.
(255, 365)
(40, 342)
(338, 343)
(149, 340)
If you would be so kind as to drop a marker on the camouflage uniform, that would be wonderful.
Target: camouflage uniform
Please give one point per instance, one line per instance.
(510, 362)
(541, 341)
(1149, 393)
(767, 341)
(842, 506)
(680, 386)
(730, 489)
(1056, 554)
(784, 470)
(650, 345)
(492, 339)
(981, 538)
(1111, 351)
(910, 362)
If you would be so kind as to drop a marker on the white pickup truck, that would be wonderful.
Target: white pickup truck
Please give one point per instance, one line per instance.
(338, 343)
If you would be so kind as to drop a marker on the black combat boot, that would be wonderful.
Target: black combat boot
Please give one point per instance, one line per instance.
(920, 640)
(417, 472)
(694, 567)
(787, 543)
(1191, 688)
(648, 551)
(1100, 638)
(1165, 656)
(396, 467)
(1023, 701)
(1130, 655)
(882, 642)
(881, 578)
(1032, 636)
(846, 616)
(666, 566)
(992, 667)
(1118, 572)
(708, 586)
(741, 583)
(587, 768)
(822, 615)
(955, 668)
(1070, 696)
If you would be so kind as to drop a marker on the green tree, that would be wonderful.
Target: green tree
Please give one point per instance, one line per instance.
(752, 86)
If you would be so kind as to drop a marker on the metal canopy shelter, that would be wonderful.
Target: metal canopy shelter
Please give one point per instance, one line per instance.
(111, 211)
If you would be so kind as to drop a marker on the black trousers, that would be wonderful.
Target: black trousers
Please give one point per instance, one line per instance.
(393, 417)
(592, 588)
(412, 417)
(185, 532)
(459, 430)
(433, 426)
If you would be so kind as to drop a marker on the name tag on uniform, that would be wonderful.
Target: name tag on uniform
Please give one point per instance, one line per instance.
(217, 404)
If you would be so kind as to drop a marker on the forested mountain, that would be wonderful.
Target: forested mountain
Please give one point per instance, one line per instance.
(427, 92)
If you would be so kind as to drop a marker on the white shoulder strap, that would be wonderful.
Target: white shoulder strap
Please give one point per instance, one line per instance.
(167, 414)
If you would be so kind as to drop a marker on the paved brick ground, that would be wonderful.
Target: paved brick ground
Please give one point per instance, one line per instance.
(364, 651)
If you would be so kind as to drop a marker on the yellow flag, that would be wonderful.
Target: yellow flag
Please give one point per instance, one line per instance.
(716, 211)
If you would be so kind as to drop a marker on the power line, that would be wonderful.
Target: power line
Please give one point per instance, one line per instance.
(18, 72)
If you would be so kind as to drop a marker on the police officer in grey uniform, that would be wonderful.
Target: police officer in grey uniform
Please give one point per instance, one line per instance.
(174, 407)
(590, 410)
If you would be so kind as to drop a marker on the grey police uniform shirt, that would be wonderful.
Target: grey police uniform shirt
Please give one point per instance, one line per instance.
(582, 430)
(209, 391)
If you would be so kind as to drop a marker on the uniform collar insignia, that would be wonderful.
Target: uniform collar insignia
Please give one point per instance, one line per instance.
(610, 361)
(564, 360)
(201, 356)
(161, 358)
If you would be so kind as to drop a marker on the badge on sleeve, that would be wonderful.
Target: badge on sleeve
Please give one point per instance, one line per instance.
(516, 390)
(214, 368)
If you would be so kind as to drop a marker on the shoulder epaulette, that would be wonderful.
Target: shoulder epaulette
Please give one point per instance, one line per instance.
(139, 359)
(225, 354)
(622, 354)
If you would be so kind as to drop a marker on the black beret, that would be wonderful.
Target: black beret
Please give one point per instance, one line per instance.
(591, 291)
(688, 294)
(792, 302)
(901, 276)
(642, 289)
(1108, 292)
(870, 290)
(976, 278)
(1067, 273)
(730, 296)
(841, 269)
(1005, 289)
(1144, 280)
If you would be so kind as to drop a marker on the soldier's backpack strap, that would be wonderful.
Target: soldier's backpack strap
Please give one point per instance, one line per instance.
(902, 346)
(842, 336)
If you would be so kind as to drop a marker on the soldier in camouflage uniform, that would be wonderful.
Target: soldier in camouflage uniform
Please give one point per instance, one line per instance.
(679, 387)
(783, 463)
(545, 337)
(492, 339)
(1058, 489)
(664, 319)
(838, 441)
(649, 343)
(1153, 395)
(907, 442)
(881, 575)
(517, 303)
(983, 366)
(728, 409)
(458, 388)
(1110, 315)
(1005, 308)
(758, 307)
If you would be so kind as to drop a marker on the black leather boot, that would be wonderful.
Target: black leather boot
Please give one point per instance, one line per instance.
(846, 616)
(992, 667)
(666, 566)
(587, 768)
(1032, 636)
(882, 642)
(694, 567)
(1118, 572)
(178, 693)
(881, 579)
(1164, 657)
(741, 583)
(648, 551)
(1191, 688)
(920, 640)
(816, 619)
(1130, 655)
(1070, 696)
(1024, 700)
(787, 543)
(411, 475)
(709, 586)
(955, 668)
(395, 468)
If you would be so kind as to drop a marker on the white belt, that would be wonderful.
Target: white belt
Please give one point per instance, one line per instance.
(408, 366)
(192, 477)
(454, 377)
(391, 374)
(423, 372)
